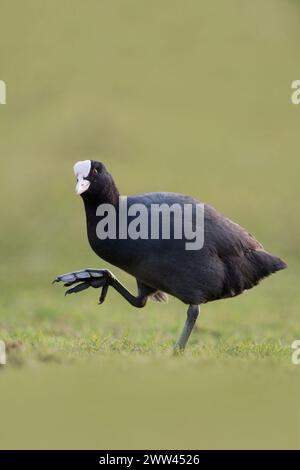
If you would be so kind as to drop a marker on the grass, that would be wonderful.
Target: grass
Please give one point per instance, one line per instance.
(192, 98)
(86, 376)
(44, 324)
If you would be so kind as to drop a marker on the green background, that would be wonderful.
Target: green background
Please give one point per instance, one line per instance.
(186, 96)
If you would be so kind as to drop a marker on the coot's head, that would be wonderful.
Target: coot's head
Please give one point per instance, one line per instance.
(94, 181)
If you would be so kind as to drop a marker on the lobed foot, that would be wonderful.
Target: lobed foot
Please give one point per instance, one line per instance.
(86, 278)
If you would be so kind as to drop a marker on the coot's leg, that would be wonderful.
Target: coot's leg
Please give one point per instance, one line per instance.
(137, 301)
(103, 278)
(192, 314)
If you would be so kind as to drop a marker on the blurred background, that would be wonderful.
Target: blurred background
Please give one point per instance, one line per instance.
(192, 97)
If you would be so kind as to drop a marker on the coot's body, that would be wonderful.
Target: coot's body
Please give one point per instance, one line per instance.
(230, 261)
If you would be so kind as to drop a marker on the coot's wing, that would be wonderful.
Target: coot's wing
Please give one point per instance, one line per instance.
(225, 237)
(221, 235)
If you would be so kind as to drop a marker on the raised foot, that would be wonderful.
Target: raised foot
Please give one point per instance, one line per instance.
(86, 278)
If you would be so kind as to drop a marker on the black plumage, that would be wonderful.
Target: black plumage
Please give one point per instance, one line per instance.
(230, 261)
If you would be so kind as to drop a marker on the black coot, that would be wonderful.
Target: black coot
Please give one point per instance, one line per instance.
(230, 261)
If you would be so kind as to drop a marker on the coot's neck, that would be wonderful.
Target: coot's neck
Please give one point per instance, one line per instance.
(107, 195)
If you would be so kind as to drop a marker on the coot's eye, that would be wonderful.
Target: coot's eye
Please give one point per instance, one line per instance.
(95, 171)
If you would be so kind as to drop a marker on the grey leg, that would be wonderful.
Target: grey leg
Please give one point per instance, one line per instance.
(192, 314)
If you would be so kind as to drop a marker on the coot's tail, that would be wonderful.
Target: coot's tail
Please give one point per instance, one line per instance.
(258, 265)
(265, 263)
(246, 271)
